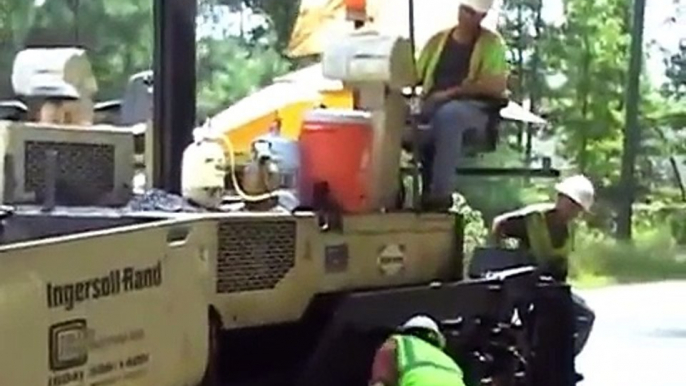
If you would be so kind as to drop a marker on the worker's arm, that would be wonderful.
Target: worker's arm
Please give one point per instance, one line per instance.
(384, 367)
(493, 86)
(509, 225)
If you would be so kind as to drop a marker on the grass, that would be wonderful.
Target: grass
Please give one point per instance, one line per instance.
(591, 281)
(599, 260)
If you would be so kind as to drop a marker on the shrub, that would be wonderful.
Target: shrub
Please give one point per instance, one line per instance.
(475, 228)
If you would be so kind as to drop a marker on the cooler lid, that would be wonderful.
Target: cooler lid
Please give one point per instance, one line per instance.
(339, 116)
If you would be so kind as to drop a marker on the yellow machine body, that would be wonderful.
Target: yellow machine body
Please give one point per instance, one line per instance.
(268, 267)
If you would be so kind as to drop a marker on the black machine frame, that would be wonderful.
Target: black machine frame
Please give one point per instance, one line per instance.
(476, 316)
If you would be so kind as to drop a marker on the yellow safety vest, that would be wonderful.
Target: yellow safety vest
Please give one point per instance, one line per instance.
(423, 364)
(489, 57)
(540, 242)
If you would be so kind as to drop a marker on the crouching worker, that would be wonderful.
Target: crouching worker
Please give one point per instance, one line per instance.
(545, 232)
(415, 357)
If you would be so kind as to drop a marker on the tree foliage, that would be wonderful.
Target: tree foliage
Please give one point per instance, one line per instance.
(118, 35)
(280, 14)
(254, 58)
(591, 51)
(675, 57)
(225, 81)
(676, 72)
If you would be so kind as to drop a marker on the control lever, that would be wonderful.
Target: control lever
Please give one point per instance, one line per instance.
(452, 327)
(6, 211)
(453, 324)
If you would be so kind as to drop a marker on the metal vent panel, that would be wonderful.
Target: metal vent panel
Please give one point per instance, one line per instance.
(77, 163)
(254, 255)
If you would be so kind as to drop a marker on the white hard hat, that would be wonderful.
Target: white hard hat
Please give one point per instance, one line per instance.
(579, 189)
(422, 321)
(481, 6)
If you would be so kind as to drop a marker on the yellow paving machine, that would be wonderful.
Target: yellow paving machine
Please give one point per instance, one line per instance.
(103, 287)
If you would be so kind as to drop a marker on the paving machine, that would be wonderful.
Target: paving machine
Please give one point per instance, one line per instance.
(277, 297)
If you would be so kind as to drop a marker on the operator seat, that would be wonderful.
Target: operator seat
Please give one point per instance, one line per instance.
(489, 141)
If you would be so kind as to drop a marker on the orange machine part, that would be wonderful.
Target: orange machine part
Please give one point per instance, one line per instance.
(356, 10)
(356, 5)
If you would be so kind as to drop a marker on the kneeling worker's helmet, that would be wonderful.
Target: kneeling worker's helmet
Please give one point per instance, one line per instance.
(427, 327)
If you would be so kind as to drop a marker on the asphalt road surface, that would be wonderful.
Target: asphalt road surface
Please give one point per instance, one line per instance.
(639, 336)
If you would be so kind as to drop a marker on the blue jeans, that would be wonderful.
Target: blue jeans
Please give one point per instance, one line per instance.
(442, 146)
(585, 318)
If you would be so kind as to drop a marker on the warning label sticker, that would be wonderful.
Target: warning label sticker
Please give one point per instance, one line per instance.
(391, 259)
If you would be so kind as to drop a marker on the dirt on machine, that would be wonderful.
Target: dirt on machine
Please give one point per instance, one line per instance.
(290, 280)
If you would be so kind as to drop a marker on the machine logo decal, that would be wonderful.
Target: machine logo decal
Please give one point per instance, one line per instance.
(68, 344)
(391, 260)
(71, 342)
(336, 258)
(114, 283)
(102, 341)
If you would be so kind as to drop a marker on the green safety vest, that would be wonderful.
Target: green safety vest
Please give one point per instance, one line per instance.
(540, 242)
(489, 57)
(423, 364)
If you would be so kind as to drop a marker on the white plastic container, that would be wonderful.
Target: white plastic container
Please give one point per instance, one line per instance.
(68, 67)
(203, 171)
(370, 57)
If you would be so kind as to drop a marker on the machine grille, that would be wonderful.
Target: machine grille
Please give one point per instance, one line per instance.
(77, 163)
(254, 255)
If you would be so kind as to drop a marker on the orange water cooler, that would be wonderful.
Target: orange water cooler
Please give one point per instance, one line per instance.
(335, 149)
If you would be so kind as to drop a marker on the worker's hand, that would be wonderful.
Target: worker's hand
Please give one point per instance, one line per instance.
(432, 102)
(441, 96)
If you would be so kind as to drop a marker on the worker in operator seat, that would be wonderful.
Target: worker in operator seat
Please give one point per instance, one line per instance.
(461, 70)
(415, 357)
(545, 232)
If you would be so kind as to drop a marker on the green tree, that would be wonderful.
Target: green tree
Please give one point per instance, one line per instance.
(222, 82)
(231, 67)
(590, 51)
(516, 26)
(676, 72)
(281, 15)
(16, 17)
